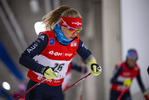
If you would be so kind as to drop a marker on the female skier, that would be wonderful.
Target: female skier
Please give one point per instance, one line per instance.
(123, 76)
(53, 50)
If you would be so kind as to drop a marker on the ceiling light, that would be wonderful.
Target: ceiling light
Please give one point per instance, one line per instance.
(6, 85)
(39, 27)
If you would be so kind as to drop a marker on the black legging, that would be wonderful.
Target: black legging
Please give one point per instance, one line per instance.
(44, 92)
(114, 95)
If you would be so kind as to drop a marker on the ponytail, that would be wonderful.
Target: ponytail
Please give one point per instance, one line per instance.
(54, 16)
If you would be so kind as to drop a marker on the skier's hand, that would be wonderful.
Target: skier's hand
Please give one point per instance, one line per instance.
(146, 96)
(127, 82)
(49, 73)
(95, 68)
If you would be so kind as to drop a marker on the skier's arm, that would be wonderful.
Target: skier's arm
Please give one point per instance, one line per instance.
(86, 55)
(140, 83)
(146, 96)
(117, 72)
(77, 67)
(34, 49)
(83, 51)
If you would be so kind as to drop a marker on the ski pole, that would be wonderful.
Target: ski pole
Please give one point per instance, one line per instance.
(34, 86)
(80, 80)
(31, 88)
(120, 96)
(77, 82)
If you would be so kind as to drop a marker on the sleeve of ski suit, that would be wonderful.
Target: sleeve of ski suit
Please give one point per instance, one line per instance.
(34, 49)
(140, 83)
(117, 72)
(77, 67)
(83, 51)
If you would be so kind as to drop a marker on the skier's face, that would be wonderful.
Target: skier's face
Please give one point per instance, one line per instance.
(68, 34)
(131, 63)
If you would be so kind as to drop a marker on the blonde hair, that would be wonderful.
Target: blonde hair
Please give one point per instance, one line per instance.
(53, 17)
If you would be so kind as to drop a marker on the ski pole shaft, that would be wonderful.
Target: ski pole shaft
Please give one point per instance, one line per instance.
(120, 96)
(34, 86)
(77, 81)
(31, 88)
(80, 80)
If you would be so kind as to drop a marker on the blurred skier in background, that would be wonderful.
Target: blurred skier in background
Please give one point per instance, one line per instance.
(124, 74)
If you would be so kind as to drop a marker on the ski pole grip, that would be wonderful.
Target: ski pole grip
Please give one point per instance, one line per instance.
(99, 68)
(56, 72)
